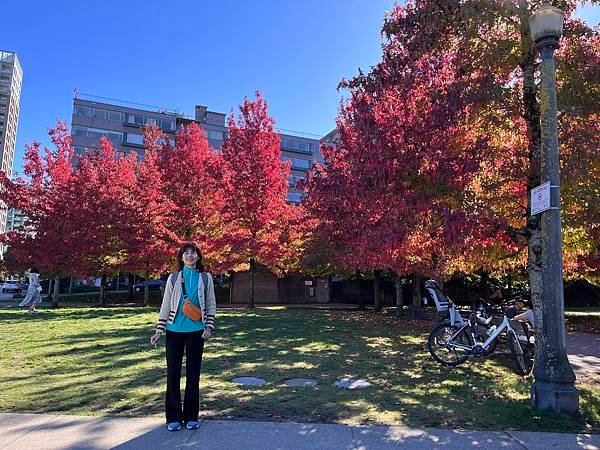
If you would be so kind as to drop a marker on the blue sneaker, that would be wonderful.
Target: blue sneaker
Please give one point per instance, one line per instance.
(192, 425)
(174, 426)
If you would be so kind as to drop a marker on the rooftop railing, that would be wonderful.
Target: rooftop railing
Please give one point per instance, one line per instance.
(126, 104)
(298, 133)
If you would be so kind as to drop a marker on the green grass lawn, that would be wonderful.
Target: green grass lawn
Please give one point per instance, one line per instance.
(98, 362)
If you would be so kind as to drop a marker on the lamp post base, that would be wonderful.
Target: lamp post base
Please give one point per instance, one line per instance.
(553, 396)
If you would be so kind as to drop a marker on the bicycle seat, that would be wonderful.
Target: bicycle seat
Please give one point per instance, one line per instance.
(442, 303)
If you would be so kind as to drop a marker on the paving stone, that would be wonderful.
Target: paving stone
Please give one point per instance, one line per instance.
(301, 382)
(349, 383)
(249, 381)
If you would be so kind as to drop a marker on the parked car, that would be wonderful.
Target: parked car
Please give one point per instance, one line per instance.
(153, 285)
(11, 286)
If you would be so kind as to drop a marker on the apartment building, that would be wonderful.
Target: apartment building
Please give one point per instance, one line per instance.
(120, 121)
(11, 76)
(15, 220)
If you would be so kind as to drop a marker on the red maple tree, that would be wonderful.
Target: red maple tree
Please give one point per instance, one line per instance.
(255, 189)
(440, 143)
(191, 174)
(46, 197)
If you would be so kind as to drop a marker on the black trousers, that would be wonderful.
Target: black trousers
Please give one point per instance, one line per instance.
(193, 345)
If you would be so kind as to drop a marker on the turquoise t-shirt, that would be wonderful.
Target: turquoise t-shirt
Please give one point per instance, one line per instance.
(182, 323)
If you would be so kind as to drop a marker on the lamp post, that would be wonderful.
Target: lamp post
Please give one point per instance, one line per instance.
(554, 385)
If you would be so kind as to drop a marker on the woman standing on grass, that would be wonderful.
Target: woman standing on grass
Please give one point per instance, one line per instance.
(188, 316)
(33, 297)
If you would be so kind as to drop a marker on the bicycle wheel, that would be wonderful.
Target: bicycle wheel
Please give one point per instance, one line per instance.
(522, 354)
(445, 354)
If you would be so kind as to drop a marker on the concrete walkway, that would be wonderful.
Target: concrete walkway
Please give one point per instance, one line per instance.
(583, 350)
(33, 431)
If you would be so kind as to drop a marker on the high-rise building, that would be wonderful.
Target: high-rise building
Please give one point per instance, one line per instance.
(15, 220)
(11, 76)
(120, 122)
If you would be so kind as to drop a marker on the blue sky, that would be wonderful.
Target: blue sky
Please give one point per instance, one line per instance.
(178, 54)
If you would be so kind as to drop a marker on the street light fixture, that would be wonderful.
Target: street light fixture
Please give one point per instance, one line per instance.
(554, 385)
(547, 24)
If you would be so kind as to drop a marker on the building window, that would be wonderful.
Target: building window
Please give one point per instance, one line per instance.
(297, 146)
(136, 139)
(99, 113)
(168, 125)
(116, 116)
(298, 163)
(116, 137)
(79, 131)
(164, 124)
(171, 141)
(97, 133)
(137, 120)
(82, 110)
(293, 179)
(294, 197)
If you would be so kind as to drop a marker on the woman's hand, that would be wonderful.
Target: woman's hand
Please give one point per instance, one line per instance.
(155, 339)
(206, 334)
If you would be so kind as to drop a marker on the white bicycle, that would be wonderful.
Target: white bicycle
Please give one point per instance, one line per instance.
(451, 344)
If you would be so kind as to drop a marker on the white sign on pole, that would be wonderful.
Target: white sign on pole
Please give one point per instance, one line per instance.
(540, 198)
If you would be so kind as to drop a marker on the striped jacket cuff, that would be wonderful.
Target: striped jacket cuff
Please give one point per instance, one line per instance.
(210, 322)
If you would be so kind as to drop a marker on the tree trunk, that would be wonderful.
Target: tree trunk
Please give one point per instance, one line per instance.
(377, 290)
(103, 291)
(231, 286)
(414, 310)
(252, 270)
(416, 300)
(50, 284)
(130, 287)
(485, 281)
(531, 115)
(56, 291)
(361, 300)
(146, 290)
(70, 285)
(399, 299)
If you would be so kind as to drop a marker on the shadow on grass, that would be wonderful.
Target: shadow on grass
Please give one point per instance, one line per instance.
(50, 315)
(114, 370)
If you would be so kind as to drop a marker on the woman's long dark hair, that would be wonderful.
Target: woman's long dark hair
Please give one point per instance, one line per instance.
(185, 247)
